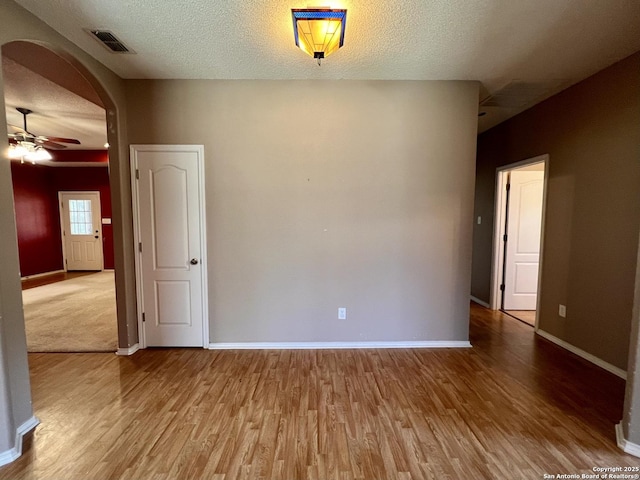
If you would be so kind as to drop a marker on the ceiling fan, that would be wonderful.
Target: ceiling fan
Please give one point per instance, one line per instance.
(27, 146)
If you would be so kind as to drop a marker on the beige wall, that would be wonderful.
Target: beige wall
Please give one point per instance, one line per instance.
(328, 194)
(18, 24)
(591, 132)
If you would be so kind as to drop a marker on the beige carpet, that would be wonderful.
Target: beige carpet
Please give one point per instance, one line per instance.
(77, 315)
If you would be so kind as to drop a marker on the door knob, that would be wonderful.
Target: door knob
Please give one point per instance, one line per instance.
(194, 261)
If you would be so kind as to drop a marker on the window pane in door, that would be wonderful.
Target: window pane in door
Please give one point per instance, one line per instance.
(80, 217)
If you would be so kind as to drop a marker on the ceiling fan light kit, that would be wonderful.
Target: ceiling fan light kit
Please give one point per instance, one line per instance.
(27, 146)
(29, 151)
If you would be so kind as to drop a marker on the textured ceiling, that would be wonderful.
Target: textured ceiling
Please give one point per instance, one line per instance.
(56, 111)
(497, 42)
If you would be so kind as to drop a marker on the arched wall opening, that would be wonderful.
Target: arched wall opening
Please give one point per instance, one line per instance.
(64, 69)
(16, 411)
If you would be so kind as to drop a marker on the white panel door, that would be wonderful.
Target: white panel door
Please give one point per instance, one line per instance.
(523, 240)
(80, 219)
(169, 212)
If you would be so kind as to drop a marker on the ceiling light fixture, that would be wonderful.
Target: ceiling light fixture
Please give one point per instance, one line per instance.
(319, 31)
(26, 150)
(27, 146)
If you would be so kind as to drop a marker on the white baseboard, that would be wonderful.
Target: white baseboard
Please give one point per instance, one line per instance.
(10, 455)
(581, 353)
(624, 444)
(125, 351)
(334, 345)
(38, 275)
(480, 302)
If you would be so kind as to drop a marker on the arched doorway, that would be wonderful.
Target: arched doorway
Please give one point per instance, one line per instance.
(68, 287)
(64, 70)
(16, 411)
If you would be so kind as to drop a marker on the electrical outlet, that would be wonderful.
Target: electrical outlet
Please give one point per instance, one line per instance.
(562, 311)
(342, 313)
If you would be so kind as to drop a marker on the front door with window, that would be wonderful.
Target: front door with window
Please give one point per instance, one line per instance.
(80, 220)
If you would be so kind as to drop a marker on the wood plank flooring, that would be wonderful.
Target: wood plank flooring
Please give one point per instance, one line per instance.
(513, 407)
(527, 316)
(52, 278)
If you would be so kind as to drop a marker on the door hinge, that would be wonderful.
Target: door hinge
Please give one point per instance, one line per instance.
(508, 187)
(137, 174)
(143, 317)
(501, 288)
(504, 238)
(140, 247)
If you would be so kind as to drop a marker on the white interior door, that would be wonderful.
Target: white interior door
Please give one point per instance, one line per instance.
(170, 212)
(81, 222)
(523, 240)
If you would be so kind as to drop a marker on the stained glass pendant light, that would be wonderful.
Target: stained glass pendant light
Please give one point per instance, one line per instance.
(319, 31)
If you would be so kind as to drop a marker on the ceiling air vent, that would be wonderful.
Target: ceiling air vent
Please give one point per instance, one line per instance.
(109, 41)
(519, 94)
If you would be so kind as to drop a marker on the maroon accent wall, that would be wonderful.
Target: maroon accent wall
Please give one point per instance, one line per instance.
(93, 156)
(37, 219)
(36, 190)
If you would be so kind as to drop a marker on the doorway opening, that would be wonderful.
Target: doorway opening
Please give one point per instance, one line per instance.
(518, 233)
(64, 311)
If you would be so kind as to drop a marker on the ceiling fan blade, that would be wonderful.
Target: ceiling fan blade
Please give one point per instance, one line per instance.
(59, 139)
(18, 129)
(50, 144)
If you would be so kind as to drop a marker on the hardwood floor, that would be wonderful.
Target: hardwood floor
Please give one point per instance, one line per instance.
(513, 407)
(52, 278)
(527, 316)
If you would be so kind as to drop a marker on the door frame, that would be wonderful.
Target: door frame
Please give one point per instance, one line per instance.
(498, 226)
(62, 220)
(135, 202)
